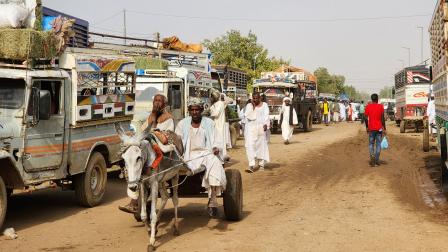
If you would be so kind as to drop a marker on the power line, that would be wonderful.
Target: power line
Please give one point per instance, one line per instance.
(350, 19)
(108, 18)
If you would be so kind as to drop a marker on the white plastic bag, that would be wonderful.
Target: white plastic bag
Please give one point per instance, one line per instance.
(18, 14)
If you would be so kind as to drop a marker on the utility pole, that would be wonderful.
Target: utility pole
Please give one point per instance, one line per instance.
(421, 45)
(409, 54)
(124, 25)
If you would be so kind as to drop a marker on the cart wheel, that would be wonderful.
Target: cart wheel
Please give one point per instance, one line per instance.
(3, 201)
(402, 126)
(233, 196)
(425, 139)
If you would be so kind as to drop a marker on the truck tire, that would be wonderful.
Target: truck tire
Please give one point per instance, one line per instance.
(425, 139)
(233, 135)
(402, 126)
(90, 186)
(233, 196)
(3, 202)
(308, 122)
(443, 168)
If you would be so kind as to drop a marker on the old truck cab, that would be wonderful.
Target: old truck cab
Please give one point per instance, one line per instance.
(57, 123)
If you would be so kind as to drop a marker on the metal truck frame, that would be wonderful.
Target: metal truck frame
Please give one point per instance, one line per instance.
(57, 123)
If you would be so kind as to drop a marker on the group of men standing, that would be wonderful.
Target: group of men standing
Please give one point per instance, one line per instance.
(340, 111)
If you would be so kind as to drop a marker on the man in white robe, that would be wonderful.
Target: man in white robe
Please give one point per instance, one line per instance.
(288, 118)
(159, 119)
(257, 124)
(342, 111)
(431, 114)
(218, 114)
(201, 149)
(227, 138)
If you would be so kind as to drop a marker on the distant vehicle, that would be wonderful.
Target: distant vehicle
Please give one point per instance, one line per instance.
(300, 85)
(412, 86)
(389, 108)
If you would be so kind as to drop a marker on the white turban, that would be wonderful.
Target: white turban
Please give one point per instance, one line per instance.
(194, 101)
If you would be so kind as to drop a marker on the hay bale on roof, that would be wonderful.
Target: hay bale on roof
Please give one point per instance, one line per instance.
(142, 62)
(21, 44)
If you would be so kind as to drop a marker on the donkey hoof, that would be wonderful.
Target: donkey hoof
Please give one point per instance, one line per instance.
(150, 248)
(176, 232)
(212, 211)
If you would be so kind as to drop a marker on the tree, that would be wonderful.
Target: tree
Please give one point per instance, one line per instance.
(329, 83)
(386, 92)
(243, 52)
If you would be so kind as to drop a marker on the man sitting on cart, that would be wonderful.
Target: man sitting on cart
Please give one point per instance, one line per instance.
(161, 120)
(201, 151)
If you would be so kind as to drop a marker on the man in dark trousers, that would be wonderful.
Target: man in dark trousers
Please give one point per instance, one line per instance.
(376, 128)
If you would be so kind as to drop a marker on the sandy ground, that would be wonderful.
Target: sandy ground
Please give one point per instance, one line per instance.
(318, 194)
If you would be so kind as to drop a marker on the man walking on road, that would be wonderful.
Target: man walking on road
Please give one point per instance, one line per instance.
(325, 108)
(288, 118)
(362, 109)
(335, 110)
(218, 114)
(376, 128)
(257, 123)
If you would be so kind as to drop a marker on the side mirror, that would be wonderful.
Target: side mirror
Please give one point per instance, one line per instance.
(32, 118)
(44, 104)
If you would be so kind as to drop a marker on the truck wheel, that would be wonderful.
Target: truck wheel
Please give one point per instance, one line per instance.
(403, 126)
(425, 139)
(233, 196)
(3, 202)
(90, 186)
(443, 158)
(308, 122)
(233, 135)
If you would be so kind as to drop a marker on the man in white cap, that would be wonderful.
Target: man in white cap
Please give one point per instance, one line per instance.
(201, 151)
(257, 124)
(218, 114)
(288, 118)
(431, 114)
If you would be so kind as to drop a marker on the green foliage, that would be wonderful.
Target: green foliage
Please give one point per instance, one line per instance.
(243, 52)
(335, 84)
(329, 83)
(386, 92)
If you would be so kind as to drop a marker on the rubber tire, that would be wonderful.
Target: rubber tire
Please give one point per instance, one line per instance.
(3, 202)
(403, 126)
(233, 196)
(443, 158)
(426, 139)
(84, 194)
(308, 123)
(233, 135)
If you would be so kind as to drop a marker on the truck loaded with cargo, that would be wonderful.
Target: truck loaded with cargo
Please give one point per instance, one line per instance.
(293, 82)
(438, 39)
(412, 85)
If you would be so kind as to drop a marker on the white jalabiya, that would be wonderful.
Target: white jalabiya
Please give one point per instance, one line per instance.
(198, 153)
(431, 113)
(287, 129)
(218, 113)
(255, 136)
(342, 111)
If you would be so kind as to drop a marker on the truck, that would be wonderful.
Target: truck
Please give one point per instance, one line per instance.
(412, 85)
(439, 54)
(296, 83)
(57, 122)
(389, 108)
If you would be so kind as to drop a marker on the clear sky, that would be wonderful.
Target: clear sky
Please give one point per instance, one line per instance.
(309, 33)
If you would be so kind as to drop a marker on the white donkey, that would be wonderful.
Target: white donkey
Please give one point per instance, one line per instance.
(138, 153)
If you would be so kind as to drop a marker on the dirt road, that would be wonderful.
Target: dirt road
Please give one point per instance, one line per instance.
(318, 194)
